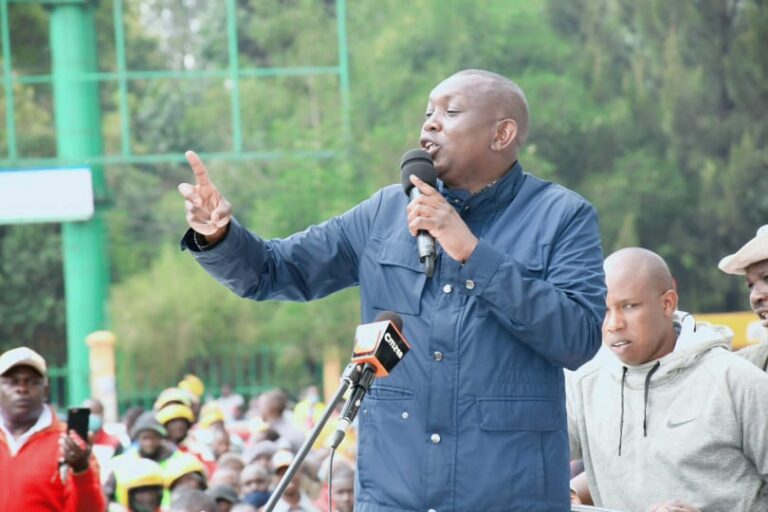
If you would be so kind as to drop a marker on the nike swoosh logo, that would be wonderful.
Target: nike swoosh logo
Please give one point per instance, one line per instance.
(671, 424)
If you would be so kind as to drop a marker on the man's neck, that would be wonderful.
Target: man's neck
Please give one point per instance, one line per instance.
(18, 428)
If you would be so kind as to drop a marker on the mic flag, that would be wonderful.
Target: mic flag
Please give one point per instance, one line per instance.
(379, 346)
(380, 343)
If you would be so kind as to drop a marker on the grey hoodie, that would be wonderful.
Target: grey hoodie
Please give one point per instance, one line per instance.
(692, 426)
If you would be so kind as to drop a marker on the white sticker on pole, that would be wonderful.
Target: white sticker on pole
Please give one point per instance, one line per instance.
(45, 195)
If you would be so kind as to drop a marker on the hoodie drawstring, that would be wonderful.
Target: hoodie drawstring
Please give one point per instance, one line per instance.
(621, 424)
(645, 400)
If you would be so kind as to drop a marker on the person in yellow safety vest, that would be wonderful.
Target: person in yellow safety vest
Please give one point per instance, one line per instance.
(143, 484)
(152, 443)
(309, 411)
(185, 472)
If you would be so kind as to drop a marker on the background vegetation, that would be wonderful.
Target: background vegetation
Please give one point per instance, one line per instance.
(653, 110)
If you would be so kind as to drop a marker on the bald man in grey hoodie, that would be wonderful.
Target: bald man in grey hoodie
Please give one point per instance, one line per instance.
(666, 418)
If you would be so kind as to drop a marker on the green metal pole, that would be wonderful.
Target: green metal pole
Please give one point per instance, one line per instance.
(78, 131)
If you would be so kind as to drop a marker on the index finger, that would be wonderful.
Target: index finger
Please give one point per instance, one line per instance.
(424, 187)
(201, 173)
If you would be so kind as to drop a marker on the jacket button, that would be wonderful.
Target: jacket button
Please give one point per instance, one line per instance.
(431, 510)
(438, 356)
(435, 438)
(447, 288)
(405, 415)
(470, 284)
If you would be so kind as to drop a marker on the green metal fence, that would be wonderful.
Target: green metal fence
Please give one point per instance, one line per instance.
(249, 370)
(76, 81)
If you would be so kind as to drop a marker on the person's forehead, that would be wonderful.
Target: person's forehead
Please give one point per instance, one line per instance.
(626, 283)
(758, 267)
(458, 86)
(22, 370)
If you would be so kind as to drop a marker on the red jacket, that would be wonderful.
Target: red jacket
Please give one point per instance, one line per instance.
(30, 480)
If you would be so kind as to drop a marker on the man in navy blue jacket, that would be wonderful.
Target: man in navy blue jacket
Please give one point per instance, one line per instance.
(474, 417)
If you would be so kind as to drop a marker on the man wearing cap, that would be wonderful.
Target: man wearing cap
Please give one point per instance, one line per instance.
(294, 499)
(751, 261)
(225, 497)
(43, 467)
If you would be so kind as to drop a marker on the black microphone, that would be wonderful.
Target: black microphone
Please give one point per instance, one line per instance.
(418, 162)
(379, 346)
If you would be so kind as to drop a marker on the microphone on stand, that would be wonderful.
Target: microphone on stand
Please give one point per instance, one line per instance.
(418, 162)
(379, 346)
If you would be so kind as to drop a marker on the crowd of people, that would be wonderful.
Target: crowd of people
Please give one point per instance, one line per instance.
(189, 453)
(666, 418)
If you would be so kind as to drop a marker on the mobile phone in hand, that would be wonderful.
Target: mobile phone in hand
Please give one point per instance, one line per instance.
(77, 420)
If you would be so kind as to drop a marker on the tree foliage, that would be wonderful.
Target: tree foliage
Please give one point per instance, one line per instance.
(652, 110)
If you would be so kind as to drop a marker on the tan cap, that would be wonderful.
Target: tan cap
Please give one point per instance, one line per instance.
(753, 251)
(282, 459)
(22, 356)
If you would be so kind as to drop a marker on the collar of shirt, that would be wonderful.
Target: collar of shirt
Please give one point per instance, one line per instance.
(499, 193)
(44, 421)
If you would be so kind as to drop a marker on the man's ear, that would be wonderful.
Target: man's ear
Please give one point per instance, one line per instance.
(506, 134)
(669, 302)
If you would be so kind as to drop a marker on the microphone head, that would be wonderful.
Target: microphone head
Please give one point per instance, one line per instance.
(418, 162)
(392, 317)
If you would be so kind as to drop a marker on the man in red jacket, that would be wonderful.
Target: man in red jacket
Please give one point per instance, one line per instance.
(42, 467)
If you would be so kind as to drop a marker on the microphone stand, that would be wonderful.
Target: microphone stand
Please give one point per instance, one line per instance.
(349, 378)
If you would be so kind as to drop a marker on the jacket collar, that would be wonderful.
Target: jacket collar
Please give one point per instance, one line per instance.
(489, 199)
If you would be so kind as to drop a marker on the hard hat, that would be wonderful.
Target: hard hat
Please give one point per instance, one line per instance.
(132, 473)
(180, 465)
(175, 411)
(172, 396)
(193, 384)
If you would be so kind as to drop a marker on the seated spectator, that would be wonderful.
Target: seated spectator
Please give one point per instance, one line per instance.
(178, 419)
(294, 499)
(751, 261)
(33, 442)
(261, 453)
(255, 485)
(224, 496)
(151, 442)
(211, 431)
(231, 403)
(226, 476)
(185, 472)
(231, 461)
(194, 386)
(343, 486)
(192, 500)
(670, 419)
(272, 407)
(343, 491)
(144, 483)
(129, 420)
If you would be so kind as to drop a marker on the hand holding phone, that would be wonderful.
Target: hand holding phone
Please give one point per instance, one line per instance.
(75, 452)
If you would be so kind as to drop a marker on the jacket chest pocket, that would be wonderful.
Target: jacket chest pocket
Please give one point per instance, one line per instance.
(401, 278)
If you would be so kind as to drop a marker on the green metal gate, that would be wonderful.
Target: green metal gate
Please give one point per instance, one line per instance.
(75, 79)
